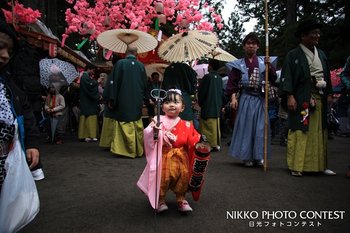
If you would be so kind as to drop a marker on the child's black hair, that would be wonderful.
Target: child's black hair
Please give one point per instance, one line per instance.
(171, 96)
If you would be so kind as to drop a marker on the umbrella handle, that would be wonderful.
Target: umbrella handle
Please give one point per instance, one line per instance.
(158, 95)
(156, 130)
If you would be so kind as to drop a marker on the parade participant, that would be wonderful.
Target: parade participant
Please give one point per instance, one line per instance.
(345, 79)
(88, 123)
(306, 84)
(109, 115)
(176, 150)
(108, 122)
(244, 88)
(182, 76)
(126, 91)
(73, 104)
(101, 104)
(13, 104)
(102, 82)
(343, 109)
(210, 99)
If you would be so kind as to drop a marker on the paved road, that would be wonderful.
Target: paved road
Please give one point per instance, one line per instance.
(88, 189)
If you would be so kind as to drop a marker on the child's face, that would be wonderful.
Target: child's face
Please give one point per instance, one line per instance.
(172, 108)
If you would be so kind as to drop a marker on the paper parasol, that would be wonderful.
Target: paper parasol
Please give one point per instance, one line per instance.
(221, 55)
(187, 46)
(117, 40)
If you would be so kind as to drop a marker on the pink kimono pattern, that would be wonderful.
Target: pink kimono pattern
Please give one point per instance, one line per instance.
(174, 134)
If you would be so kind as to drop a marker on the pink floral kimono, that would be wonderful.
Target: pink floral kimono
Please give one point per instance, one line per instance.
(177, 139)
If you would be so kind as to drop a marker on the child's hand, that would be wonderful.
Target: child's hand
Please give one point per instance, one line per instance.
(153, 124)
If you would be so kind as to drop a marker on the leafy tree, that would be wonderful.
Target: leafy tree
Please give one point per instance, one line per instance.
(283, 17)
(231, 35)
(217, 5)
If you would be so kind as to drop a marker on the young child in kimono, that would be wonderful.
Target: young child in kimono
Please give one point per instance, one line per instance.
(175, 145)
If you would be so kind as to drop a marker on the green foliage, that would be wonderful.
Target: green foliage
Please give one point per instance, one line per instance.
(334, 14)
(231, 35)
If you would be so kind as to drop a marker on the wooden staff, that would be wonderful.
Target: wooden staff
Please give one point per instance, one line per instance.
(13, 13)
(266, 85)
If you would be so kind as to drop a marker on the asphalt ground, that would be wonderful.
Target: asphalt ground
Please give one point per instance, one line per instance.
(89, 190)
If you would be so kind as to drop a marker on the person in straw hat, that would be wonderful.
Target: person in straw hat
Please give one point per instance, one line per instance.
(126, 90)
(306, 84)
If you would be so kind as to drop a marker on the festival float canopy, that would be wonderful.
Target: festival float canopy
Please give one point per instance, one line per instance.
(53, 46)
(26, 22)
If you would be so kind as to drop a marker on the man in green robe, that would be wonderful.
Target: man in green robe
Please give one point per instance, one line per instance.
(126, 93)
(181, 76)
(306, 84)
(108, 124)
(109, 114)
(210, 95)
(88, 124)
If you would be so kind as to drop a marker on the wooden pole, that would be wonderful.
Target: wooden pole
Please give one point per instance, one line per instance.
(266, 85)
(13, 13)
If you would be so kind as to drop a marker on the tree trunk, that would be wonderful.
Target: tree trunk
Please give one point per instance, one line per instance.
(347, 11)
(291, 12)
(307, 8)
(52, 16)
(34, 4)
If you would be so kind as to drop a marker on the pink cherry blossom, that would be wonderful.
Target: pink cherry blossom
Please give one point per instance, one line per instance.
(22, 14)
(135, 14)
